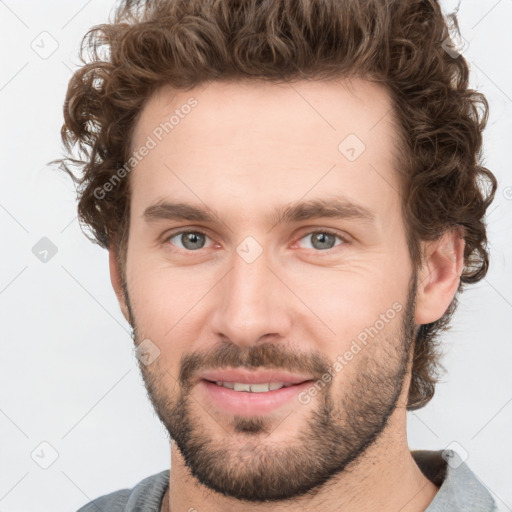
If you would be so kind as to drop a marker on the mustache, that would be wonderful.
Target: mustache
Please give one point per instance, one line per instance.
(265, 355)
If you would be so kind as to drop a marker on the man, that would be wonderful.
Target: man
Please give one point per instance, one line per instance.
(290, 196)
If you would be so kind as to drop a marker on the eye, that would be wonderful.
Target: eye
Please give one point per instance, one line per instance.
(196, 240)
(322, 240)
(190, 240)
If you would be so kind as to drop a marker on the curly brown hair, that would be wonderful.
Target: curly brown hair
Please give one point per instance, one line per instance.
(402, 45)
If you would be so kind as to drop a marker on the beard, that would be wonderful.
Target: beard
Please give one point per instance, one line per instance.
(338, 431)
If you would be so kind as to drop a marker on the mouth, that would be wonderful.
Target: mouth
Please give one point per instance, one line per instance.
(264, 387)
(251, 398)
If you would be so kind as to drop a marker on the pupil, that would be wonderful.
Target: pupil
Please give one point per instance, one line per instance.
(325, 241)
(190, 239)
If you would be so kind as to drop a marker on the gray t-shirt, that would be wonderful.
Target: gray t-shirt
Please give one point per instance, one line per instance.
(460, 490)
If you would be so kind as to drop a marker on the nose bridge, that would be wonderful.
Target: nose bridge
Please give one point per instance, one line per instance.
(250, 303)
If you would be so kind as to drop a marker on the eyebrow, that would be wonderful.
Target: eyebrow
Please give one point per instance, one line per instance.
(335, 208)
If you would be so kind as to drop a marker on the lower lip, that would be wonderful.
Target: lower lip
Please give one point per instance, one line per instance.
(248, 403)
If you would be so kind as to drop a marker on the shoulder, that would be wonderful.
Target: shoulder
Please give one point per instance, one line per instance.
(146, 496)
(459, 488)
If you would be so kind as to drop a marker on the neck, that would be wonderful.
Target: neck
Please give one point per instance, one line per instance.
(385, 477)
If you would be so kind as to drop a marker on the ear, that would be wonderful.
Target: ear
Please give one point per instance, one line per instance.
(115, 279)
(439, 277)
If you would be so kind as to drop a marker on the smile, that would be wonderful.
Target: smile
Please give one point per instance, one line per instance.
(253, 388)
(248, 399)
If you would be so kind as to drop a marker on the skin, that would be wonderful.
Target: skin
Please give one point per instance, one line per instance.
(244, 149)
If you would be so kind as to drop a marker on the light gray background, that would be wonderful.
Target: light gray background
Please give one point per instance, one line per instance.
(69, 374)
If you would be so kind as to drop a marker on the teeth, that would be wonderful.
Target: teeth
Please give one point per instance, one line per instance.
(242, 387)
(260, 388)
(253, 388)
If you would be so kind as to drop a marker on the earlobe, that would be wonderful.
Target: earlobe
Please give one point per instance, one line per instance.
(439, 277)
(116, 280)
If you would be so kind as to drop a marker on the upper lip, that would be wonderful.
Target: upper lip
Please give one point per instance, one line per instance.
(253, 377)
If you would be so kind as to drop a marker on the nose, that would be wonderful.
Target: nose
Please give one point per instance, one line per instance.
(251, 303)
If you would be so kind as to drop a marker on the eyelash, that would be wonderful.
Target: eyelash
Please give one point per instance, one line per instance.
(323, 231)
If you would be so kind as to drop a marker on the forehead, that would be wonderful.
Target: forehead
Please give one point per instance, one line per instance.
(258, 140)
(303, 108)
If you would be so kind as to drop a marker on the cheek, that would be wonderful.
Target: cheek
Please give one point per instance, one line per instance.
(346, 300)
(165, 301)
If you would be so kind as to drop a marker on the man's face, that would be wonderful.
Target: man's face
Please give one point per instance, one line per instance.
(271, 285)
